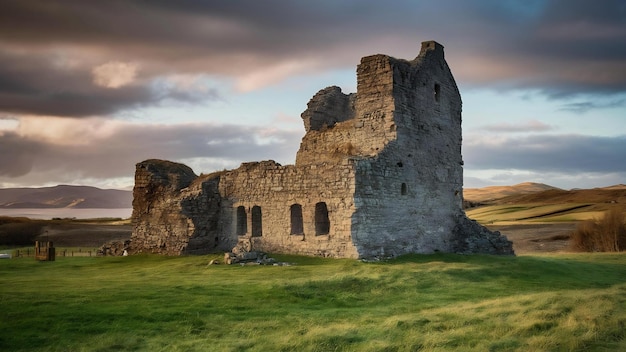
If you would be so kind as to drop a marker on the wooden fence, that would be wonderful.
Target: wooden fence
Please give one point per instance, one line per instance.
(45, 251)
(60, 252)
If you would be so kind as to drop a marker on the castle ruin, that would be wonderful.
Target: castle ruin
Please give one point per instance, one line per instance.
(379, 173)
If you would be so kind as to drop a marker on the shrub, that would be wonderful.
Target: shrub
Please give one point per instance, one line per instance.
(605, 235)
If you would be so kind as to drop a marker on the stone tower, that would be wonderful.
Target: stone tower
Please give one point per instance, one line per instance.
(379, 173)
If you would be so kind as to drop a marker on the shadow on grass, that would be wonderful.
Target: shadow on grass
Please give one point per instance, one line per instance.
(418, 282)
(575, 271)
(450, 278)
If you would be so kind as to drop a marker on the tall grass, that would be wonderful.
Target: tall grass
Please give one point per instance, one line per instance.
(605, 235)
(414, 303)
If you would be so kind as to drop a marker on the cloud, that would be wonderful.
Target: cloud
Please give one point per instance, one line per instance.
(564, 161)
(567, 154)
(585, 106)
(560, 47)
(114, 74)
(58, 131)
(270, 75)
(528, 126)
(100, 149)
(33, 85)
(184, 88)
(18, 155)
(7, 123)
(483, 178)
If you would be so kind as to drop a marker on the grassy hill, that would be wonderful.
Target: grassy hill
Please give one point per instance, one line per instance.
(437, 302)
(546, 204)
(494, 193)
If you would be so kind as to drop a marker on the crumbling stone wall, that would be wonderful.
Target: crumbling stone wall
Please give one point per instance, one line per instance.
(329, 106)
(273, 189)
(174, 211)
(378, 174)
(411, 195)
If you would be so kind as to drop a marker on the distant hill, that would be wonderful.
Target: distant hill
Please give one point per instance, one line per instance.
(63, 196)
(613, 195)
(537, 203)
(489, 195)
(530, 192)
(620, 186)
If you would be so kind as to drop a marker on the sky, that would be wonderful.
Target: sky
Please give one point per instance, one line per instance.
(90, 88)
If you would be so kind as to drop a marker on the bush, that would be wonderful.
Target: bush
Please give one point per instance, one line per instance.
(605, 235)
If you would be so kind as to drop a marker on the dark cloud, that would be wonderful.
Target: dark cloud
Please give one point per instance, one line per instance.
(583, 107)
(37, 161)
(560, 47)
(34, 85)
(17, 155)
(564, 48)
(567, 154)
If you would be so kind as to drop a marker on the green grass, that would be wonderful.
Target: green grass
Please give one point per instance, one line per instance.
(414, 303)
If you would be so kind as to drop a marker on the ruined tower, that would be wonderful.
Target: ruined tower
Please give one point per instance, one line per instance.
(379, 173)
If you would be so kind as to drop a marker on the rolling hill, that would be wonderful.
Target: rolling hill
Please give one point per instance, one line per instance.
(538, 203)
(529, 192)
(595, 195)
(64, 196)
(495, 193)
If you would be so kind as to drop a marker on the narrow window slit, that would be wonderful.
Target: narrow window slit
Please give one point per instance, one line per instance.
(297, 227)
(257, 223)
(322, 223)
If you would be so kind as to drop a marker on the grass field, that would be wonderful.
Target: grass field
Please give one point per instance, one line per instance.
(506, 214)
(414, 303)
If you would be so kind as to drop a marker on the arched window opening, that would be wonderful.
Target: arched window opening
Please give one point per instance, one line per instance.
(257, 223)
(437, 92)
(322, 223)
(403, 189)
(242, 221)
(297, 227)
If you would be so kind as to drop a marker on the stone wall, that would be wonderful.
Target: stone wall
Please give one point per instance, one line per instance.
(368, 129)
(174, 211)
(329, 106)
(273, 189)
(410, 198)
(378, 174)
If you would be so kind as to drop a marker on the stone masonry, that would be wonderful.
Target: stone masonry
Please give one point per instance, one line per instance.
(379, 173)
